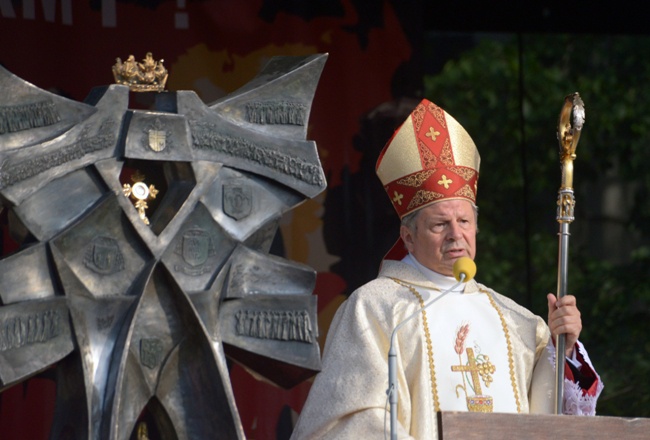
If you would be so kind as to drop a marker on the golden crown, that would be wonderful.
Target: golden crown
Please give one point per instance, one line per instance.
(148, 76)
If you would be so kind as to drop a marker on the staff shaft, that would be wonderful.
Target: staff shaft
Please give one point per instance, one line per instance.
(560, 340)
(572, 118)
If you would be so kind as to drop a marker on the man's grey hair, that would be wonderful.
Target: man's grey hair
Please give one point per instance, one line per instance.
(409, 220)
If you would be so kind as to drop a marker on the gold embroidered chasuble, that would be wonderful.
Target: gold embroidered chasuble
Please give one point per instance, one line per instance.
(348, 397)
(471, 356)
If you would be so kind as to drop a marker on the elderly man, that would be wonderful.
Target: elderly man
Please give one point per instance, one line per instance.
(473, 349)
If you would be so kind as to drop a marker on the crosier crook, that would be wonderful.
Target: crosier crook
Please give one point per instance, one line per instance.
(572, 118)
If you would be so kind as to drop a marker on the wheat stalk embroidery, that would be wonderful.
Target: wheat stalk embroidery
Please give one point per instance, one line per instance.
(459, 348)
(478, 367)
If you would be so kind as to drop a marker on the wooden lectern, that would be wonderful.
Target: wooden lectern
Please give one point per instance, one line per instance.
(493, 426)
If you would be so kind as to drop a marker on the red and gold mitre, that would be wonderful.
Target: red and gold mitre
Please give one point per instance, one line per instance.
(430, 158)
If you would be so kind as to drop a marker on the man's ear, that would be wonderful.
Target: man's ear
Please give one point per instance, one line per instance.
(407, 237)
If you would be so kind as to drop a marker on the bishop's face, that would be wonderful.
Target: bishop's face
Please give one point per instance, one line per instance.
(442, 233)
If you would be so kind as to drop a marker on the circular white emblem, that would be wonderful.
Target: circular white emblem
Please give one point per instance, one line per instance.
(140, 191)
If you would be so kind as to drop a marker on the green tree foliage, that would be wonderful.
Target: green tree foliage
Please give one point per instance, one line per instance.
(507, 92)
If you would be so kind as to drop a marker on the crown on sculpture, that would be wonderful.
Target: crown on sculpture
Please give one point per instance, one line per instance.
(148, 76)
(430, 158)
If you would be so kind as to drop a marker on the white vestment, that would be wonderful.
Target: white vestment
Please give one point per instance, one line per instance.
(472, 350)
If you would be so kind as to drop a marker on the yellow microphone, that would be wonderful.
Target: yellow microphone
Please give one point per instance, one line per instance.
(465, 266)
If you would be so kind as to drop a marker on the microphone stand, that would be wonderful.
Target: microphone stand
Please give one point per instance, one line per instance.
(572, 118)
(392, 359)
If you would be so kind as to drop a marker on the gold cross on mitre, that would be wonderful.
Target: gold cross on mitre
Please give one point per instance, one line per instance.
(433, 134)
(445, 182)
(140, 193)
(398, 198)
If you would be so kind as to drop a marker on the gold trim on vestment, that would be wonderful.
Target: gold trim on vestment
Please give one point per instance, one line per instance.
(427, 334)
(511, 362)
(434, 387)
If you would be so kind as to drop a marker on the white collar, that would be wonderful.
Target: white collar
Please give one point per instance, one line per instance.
(444, 282)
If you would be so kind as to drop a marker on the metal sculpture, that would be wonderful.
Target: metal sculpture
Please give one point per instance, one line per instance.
(138, 312)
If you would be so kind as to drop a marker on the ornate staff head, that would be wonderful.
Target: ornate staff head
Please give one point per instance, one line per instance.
(572, 118)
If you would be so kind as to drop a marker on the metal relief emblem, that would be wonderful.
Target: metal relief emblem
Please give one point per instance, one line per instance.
(15, 171)
(284, 325)
(103, 256)
(28, 329)
(157, 137)
(195, 247)
(157, 140)
(15, 118)
(237, 200)
(150, 352)
(276, 112)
